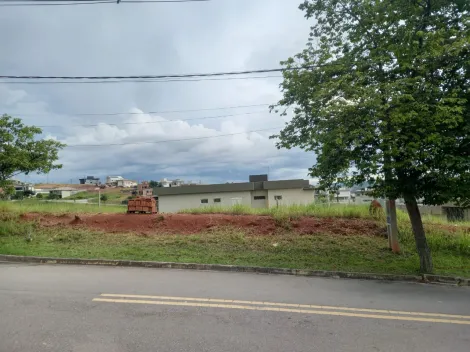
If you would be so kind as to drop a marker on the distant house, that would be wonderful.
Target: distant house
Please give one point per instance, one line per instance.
(259, 194)
(144, 189)
(343, 195)
(171, 183)
(64, 192)
(90, 180)
(112, 180)
(126, 183)
(24, 188)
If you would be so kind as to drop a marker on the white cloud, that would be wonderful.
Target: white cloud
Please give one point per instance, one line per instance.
(149, 39)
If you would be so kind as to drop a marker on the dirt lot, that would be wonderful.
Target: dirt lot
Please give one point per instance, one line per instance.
(193, 224)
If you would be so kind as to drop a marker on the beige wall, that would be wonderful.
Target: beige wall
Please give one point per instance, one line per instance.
(175, 203)
(290, 197)
(259, 203)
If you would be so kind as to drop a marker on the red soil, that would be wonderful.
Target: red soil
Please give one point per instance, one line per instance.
(193, 224)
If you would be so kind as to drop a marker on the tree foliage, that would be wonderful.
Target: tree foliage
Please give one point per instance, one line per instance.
(154, 184)
(22, 152)
(381, 94)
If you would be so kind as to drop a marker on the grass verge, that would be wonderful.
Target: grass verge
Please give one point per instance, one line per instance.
(318, 210)
(451, 251)
(36, 206)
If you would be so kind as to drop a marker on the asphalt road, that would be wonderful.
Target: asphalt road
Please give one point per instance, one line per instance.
(79, 308)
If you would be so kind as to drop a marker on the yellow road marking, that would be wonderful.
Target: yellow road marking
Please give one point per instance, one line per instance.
(309, 306)
(290, 310)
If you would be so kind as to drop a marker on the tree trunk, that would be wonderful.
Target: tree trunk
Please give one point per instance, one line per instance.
(425, 260)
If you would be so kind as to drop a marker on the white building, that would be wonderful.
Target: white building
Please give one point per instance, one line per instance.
(343, 195)
(113, 179)
(90, 180)
(165, 182)
(126, 183)
(260, 194)
(171, 183)
(64, 192)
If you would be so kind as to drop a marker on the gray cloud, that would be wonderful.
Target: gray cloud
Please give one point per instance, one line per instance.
(155, 39)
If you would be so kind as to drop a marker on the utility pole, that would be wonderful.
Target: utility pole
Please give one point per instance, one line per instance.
(392, 226)
(99, 198)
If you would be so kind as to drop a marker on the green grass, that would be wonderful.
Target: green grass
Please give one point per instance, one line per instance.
(317, 210)
(83, 195)
(35, 206)
(114, 197)
(451, 251)
(449, 243)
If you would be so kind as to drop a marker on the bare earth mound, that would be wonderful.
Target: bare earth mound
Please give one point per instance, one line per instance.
(193, 224)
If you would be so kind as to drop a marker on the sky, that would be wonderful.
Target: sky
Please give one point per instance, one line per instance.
(155, 39)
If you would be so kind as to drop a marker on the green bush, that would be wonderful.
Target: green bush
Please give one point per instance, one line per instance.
(18, 195)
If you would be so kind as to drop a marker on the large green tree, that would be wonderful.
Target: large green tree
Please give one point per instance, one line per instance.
(382, 94)
(22, 152)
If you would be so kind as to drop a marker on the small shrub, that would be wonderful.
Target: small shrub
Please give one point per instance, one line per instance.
(376, 211)
(283, 222)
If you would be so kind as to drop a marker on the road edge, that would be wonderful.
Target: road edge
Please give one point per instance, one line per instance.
(422, 278)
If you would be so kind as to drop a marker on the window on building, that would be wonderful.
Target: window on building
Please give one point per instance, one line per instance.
(217, 200)
(277, 197)
(259, 197)
(204, 201)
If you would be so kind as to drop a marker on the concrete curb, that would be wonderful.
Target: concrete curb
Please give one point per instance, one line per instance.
(424, 278)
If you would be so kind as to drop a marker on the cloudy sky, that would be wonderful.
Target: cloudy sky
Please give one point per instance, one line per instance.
(155, 39)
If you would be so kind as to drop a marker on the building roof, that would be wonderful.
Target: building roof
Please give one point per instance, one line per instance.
(90, 178)
(234, 187)
(64, 189)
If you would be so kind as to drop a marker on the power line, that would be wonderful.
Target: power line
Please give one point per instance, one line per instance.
(171, 140)
(210, 161)
(141, 81)
(151, 112)
(191, 75)
(86, 2)
(117, 2)
(58, 4)
(152, 122)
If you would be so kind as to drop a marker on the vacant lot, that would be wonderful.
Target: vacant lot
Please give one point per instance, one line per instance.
(344, 239)
(189, 224)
